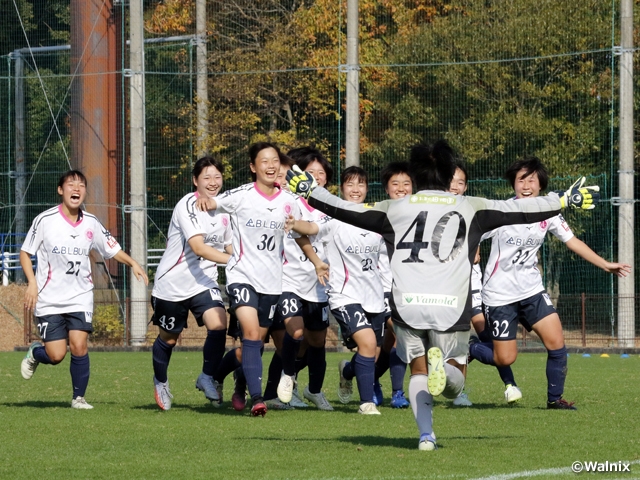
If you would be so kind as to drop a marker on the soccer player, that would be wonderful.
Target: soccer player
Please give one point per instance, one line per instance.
(304, 303)
(513, 291)
(397, 182)
(432, 238)
(356, 296)
(186, 280)
(61, 290)
(258, 212)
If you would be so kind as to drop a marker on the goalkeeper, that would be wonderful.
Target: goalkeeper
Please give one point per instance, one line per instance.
(513, 292)
(432, 238)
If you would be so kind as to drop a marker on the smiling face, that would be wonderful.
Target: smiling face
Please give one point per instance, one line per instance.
(266, 166)
(354, 189)
(399, 186)
(317, 172)
(458, 183)
(73, 192)
(526, 186)
(209, 182)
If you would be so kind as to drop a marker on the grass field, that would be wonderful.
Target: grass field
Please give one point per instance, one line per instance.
(127, 436)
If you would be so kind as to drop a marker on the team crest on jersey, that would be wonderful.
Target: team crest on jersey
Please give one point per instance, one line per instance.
(543, 225)
(225, 222)
(89, 234)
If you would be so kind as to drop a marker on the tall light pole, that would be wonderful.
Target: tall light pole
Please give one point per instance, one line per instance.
(352, 141)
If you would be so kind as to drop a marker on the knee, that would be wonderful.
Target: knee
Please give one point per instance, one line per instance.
(504, 359)
(56, 358)
(297, 334)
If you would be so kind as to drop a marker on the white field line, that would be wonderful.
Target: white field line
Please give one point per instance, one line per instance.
(541, 472)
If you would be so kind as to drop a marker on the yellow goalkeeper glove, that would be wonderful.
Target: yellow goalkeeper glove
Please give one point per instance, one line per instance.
(579, 196)
(301, 183)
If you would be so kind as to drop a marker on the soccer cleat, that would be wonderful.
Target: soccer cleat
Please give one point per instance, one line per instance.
(318, 399)
(377, 394)
(368, 408)
(238, 401)
(427, 442)
(285, 387)
(462, 400)
(437, 378)
(561, 404)
(296, 399)
(29, 364)
(398, 400)
(345, 389)
(258, 409)
(512, 394)
(163, 394)
(206, 384)
(276, 404)
(218, 386)
(80, 403)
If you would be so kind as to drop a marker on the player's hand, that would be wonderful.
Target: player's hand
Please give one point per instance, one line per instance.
(289, 223)
(301, 183)
(322, 271)
(618, 269)
(579, 196)
(31, 297)
(140, 274)
(204, 204)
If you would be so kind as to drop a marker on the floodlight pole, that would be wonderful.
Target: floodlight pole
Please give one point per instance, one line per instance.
(138, 208)
(201, 78)
(626, 286)
(352, 141)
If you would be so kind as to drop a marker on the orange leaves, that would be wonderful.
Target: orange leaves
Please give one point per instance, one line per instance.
(171, 17)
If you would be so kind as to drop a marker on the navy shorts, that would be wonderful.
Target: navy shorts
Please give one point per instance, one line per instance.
(244, 295)
(387, 305)
(314, 315)
(503, 321)
(57, 326)
(352, 318)
(172, 316)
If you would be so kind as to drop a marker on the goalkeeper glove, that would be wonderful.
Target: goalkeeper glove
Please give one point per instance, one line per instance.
(301, 183)
(579, 196)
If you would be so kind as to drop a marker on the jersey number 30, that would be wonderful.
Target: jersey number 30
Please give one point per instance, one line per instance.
(436, 237)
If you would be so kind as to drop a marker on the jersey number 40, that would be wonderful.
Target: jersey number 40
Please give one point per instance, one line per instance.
(436, 237)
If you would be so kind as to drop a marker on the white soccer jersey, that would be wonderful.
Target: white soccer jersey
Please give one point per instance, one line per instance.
(432, 238)
(384, 269)
(258, 236)
(62, 248)
(299, 274)
(512, 268)
(181, 273)
(353, 255)
(476, 277)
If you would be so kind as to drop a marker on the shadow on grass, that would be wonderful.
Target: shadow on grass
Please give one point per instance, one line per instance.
(375, 441)
(204, 409)
(38, 404)
(485, 406)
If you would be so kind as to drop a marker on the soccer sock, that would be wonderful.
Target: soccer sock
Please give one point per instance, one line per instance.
(228, 364)
(290, 348)
(506, 374)
(397, 370)
(485, 335)
(455, 381)
(365, 369)
(556, 373)
(382, 364)
(213, 351)
(240, 382)
(40, 354)
(161, 357)
(79, 368)
(483, 352)
(301, 363)
(317, 367)
(349, 370)
(421, 403)
(275, 368)
(252, 367)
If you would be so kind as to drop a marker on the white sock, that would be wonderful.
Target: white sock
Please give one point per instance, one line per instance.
(455, 382)
(421, 403)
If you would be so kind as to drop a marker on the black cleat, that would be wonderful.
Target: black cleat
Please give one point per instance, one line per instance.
(560, 404)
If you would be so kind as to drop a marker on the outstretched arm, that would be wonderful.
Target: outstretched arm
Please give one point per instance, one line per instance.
(322, 269)
(579, 247)
(31, 294)
(205, 251)
(122, 257)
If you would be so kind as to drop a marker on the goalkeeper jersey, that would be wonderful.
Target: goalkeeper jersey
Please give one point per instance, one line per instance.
(432, 238)
(512, 271)
(62, 247)
(181, 273)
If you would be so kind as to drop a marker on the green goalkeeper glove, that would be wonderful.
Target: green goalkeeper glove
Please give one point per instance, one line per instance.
(301, 183)
(579, 196)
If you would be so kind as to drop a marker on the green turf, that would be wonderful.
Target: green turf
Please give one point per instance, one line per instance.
(126, 436)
